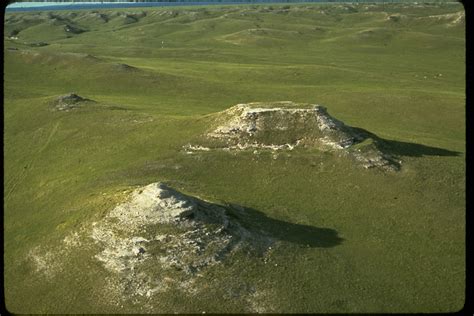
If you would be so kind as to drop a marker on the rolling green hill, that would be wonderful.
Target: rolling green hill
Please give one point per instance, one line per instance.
(347, 239)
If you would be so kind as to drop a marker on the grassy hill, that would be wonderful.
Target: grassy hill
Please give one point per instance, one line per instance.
(157, 78)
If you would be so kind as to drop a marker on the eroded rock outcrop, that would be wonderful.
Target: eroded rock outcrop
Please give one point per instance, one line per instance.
(160, 234)
(158, 242)
(284, 125)
(287, 125)
(69, 101)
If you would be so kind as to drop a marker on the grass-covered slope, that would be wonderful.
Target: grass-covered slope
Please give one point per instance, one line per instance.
(346, 239)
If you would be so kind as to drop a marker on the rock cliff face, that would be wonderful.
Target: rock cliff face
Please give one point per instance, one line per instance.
(286, 125)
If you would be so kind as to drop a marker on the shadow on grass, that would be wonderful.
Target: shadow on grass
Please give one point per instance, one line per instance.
(417, 150)
(304, 235)
(398, 148)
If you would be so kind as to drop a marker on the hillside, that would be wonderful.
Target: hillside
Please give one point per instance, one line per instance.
(350, 197)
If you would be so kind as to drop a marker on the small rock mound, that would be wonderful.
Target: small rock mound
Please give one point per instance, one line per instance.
(73, 29)
(125, 67)
(396, 17)
(38, 44)
(69, 101)
(160, 233)
(286, 125)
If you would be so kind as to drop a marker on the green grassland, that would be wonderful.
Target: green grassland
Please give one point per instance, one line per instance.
(397, 71)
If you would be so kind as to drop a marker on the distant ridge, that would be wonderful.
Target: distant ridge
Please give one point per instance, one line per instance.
(84, 5)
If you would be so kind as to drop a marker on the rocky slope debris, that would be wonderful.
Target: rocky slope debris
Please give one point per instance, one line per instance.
(160, 234)
(286, 125)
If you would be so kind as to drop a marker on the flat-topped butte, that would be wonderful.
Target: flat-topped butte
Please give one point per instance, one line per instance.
(285, 125)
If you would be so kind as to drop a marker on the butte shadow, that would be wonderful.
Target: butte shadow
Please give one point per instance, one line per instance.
(300, 234)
